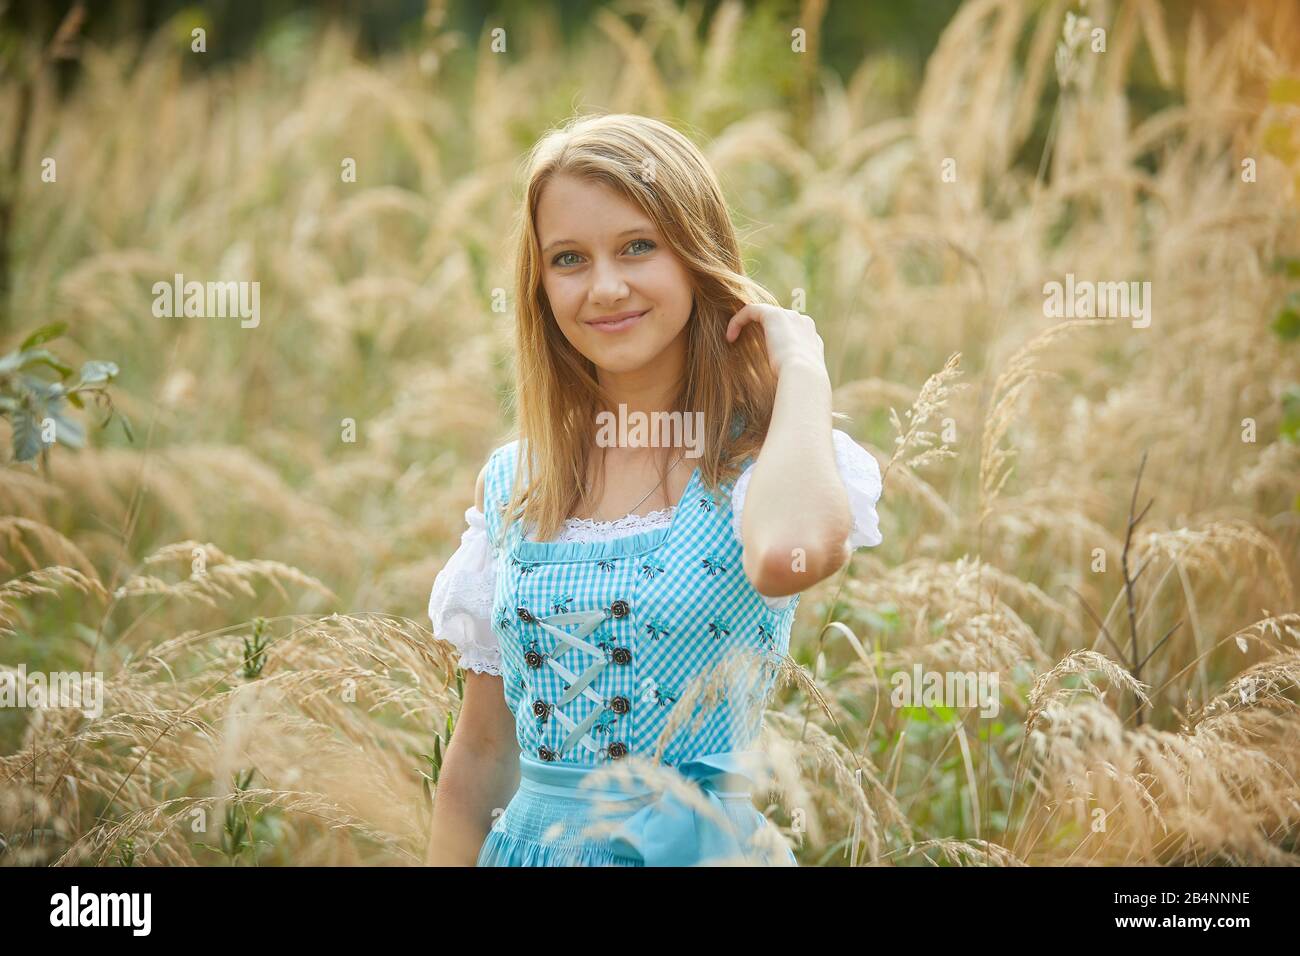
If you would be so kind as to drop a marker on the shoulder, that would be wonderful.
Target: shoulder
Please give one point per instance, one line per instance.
(497, 478)
(479, 483)
(492, 491)
(501, 463)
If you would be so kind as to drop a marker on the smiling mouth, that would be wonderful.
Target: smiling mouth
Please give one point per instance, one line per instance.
(618, 325)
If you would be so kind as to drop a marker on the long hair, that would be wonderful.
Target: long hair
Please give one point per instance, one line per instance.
(557, 392)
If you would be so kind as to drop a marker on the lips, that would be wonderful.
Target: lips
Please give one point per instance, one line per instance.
(618, 325)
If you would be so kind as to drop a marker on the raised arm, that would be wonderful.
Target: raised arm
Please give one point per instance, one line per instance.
(797, 519)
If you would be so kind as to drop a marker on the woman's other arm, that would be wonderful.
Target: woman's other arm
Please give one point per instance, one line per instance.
(480, 771)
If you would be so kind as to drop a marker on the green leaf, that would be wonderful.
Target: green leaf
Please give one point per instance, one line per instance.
(28, 358)
(1287, 266)
(1290, 427)
(885, 618)
(44, 334)
(27, 436)
(1277, 142)
(1287, 323)
(946, 714)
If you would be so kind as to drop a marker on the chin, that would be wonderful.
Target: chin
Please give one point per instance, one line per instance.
(621, 362)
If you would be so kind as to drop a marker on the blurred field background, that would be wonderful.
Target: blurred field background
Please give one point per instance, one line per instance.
(253, 585)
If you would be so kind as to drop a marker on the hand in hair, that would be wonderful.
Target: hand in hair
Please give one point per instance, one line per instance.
(791, 336)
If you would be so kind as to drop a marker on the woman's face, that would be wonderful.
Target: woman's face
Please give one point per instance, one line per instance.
(602, 258)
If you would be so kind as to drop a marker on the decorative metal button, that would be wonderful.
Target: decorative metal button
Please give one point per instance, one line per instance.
(540, 709)
(546, 753)
(532, 658)
(622, 655)
(619, 705)
(525, 615)
(619, 608)
(617, 749)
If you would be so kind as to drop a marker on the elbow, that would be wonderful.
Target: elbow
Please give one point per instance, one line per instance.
(782, 570)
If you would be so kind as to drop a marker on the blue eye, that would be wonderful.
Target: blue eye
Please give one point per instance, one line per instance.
(556, 260)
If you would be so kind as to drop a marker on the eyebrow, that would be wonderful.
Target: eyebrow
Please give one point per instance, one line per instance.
(646, 227)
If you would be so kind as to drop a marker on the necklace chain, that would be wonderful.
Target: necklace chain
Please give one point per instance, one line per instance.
(656, 487)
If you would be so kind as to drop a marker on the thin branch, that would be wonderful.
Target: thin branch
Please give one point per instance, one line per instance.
(1168, 633)
(1129, 580)
(1099, 622)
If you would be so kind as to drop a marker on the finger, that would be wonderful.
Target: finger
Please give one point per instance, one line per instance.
(740, 320)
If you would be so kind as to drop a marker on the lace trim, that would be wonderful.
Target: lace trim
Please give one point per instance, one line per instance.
(586, 529)
(482, 666)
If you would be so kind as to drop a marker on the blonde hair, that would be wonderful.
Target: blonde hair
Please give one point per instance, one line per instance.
(557, 393)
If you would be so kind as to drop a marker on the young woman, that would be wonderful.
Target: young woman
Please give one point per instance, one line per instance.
(621, 605)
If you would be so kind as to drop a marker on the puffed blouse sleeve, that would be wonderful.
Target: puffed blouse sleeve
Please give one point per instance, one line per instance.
(460, 605)
(861, 476)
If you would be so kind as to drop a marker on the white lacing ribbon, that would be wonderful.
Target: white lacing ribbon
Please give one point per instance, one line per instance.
(578, 684)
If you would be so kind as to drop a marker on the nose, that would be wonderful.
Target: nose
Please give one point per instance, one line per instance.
(607, 285)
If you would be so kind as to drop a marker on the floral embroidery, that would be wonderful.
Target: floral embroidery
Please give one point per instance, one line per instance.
(525, 567)
(706, 505)
(719, 628)
(651, 571)
(605, 564)
(652, 694)
(560, 605)
(655, 629)
(604, 722)
(713, 564)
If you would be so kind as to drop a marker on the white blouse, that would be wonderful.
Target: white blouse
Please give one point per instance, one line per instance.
(460, 605)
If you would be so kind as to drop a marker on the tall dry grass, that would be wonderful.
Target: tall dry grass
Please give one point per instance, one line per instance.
(1146, 717)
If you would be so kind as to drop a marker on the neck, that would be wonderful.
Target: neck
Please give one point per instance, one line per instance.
(651, 388)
